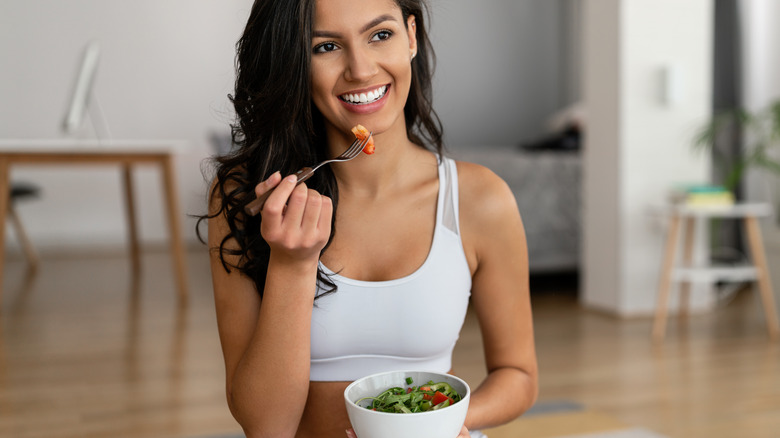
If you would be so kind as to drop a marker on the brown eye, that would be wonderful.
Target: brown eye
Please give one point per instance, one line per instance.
(325, 47)
(382, 35)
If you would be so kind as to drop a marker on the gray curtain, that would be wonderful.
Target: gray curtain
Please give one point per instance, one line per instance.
(727, 92)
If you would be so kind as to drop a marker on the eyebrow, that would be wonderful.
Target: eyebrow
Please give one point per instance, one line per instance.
(376, 21)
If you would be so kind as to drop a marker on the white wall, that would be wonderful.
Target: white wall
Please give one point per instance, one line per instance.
(601, 54)
(167, 67)
(165, 71)
(761, 86)
(637, 146)
(499, 74)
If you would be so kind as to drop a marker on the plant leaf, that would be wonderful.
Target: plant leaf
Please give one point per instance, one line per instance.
(735, 175)
(706, 136)
(774, 111)
(768, 164)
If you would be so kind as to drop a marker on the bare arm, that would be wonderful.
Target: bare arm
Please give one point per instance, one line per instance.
(496, 247)
(266, 345)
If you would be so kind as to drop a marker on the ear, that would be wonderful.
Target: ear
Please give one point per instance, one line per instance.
(411, 30)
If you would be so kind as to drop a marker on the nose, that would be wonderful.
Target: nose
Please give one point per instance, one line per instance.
(361, 66)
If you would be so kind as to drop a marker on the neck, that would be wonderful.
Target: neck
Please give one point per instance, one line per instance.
(394, 165)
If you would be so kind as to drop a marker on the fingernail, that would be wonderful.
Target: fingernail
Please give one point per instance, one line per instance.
(292, 178)
(271, 176)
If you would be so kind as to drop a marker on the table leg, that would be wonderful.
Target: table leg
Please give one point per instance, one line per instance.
(758, 256)
(5, 198)
(685, 286)
(177, 245)
(27, 247)
(132, 224)
(659, 323)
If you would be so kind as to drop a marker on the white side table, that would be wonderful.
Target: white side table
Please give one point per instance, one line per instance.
(685, 274)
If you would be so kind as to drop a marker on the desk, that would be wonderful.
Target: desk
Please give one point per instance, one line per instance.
(686, 273)
(124, 153)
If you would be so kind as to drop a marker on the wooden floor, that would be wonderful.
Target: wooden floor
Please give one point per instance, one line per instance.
(87, 351)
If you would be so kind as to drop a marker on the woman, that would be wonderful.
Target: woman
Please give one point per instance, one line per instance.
(334, 279)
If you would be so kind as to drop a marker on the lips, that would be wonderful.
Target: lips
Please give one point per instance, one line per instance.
(364, 97)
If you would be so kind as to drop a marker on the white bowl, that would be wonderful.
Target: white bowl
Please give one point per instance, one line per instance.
(442, 423)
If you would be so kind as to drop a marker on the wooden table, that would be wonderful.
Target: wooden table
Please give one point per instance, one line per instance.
(122, 153)
(685, 273)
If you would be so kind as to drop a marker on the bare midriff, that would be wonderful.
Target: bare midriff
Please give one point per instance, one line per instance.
(325, 415)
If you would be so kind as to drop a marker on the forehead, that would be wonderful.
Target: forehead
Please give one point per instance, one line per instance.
(332, 14)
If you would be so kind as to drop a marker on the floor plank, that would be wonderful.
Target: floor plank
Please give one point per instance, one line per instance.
(88, 351)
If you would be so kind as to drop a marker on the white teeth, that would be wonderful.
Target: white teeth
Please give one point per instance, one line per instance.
(362, 98)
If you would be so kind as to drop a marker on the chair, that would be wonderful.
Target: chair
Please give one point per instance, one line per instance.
(20, 190)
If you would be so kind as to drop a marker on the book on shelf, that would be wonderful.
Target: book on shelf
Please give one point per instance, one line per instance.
(701, 195)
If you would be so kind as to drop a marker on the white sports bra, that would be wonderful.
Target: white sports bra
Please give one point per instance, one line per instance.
(411, 323)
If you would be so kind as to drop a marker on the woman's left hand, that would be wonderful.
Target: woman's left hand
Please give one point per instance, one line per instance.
(464, 433)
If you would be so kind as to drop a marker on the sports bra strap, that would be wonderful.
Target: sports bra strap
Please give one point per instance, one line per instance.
(450, 212)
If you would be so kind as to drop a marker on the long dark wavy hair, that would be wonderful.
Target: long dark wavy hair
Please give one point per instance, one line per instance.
(277, 127)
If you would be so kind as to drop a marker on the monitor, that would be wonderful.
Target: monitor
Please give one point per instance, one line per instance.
(82, 88)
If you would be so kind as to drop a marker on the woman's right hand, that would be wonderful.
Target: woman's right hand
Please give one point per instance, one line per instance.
(296, 220)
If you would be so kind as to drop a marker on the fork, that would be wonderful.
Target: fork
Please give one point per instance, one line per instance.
(254, 206)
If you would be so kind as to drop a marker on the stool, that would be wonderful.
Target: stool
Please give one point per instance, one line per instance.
(758, 271)
(18, 191)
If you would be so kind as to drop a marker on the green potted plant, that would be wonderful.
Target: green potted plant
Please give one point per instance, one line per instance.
(760, 136)
(761, 149)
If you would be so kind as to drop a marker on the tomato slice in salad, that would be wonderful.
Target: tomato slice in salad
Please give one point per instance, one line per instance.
(439, 397)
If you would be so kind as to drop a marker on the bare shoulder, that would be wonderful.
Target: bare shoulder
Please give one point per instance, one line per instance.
(218, 226)
(491, 227)
(483, 195)
(490, 222)
(219, 186)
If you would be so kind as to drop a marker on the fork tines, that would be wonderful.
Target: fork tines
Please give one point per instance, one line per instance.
(357, 146)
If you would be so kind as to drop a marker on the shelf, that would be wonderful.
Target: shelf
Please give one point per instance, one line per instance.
(710, 274)
(756, 209)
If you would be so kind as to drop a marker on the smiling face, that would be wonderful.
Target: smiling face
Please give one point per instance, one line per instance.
(361, 63)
